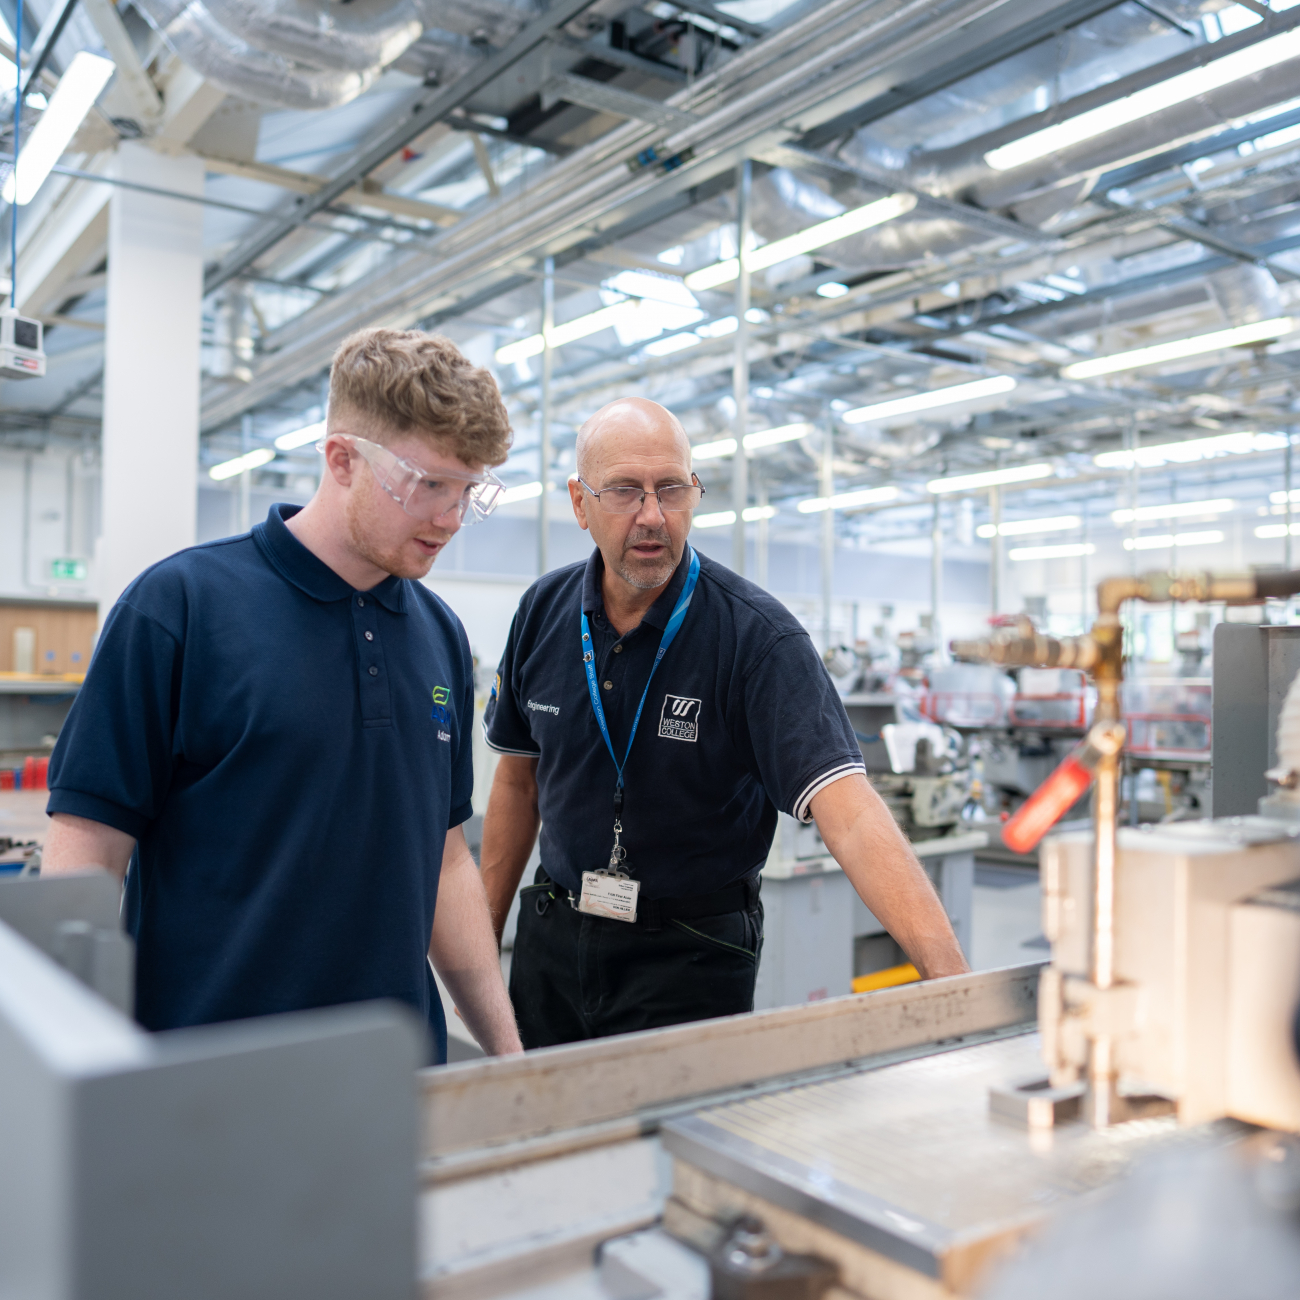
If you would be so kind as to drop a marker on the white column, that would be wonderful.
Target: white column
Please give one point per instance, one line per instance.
(151, 367)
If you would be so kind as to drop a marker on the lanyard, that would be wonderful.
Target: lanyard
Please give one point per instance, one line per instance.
(588, 664)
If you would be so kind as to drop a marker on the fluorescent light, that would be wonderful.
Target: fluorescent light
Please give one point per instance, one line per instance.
(1153, 99)
(928, 401)
(673, 343)
(301, 437)
(782, 433)
(1173, 510)
(1259, 332)
(1019, 527)
(578, 328)
(721, 518)
(1164, 541)
(714, 450)
(753, 441)
(1279, 498)
(715, 329)
(1180, 453)
(523, 492)
(832, 289)
(846, 500)
(77, 90)
(1062, 552)
(848, 223)
(249, 460)
(1276, 530)
(989, 478)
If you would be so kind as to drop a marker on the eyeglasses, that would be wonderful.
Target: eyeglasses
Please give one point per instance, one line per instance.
(628, 500)
(429, 495)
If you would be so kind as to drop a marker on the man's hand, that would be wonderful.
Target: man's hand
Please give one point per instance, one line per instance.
(865, 840)
(509, 833)
(464, 953)
(76, 843)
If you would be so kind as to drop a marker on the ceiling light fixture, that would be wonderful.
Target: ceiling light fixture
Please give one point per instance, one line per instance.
(523, 492)
(832, 289)
(1259, 332)
(301, 437)
(76, 92)
(1062, 552)
(1163, 541)
(847, 500)
(753, 441)
(1142, 103)
(936, 397)
(1276, 530)
(578, 328)
(1174, 510)
(1193, 449)
(989, 478)
(1021, 527)
(721, 518)
(852, 222)
(249, 460)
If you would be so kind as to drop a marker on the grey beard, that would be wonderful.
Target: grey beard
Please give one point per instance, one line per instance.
(657, 578)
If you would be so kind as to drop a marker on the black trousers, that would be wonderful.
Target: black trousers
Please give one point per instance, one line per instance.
(574, 977)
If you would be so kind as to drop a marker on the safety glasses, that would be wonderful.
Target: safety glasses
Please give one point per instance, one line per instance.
(629, 500)
(425, 494)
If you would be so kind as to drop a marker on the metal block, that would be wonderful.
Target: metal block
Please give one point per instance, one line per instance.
(1035, 1103)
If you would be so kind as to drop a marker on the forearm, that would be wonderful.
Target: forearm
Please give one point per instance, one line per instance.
(74, 844)
(464, 953)
(865, 840)
(509, 833)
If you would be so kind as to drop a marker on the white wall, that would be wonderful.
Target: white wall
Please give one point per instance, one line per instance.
(49, 508)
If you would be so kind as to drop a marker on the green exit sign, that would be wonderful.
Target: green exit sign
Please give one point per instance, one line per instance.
(68, 570)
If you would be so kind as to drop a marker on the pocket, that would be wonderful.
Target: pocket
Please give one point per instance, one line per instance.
(537, 898)
(731, 933)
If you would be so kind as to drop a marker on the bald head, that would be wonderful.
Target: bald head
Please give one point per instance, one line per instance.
(624, 424)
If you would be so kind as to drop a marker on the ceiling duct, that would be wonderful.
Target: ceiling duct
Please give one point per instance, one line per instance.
(310, 54)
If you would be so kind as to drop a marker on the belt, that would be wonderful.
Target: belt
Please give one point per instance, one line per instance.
(654, 913)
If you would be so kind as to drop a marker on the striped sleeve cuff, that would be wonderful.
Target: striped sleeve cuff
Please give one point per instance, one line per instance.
(802, 805)
(503, 749)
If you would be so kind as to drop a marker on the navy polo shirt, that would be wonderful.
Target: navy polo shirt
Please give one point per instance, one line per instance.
(741, 720)
(289, 754)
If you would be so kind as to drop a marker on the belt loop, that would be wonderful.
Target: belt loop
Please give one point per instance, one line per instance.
(753, 887)
(648, 914)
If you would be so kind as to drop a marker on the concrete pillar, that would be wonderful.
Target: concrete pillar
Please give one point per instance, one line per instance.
(151, 367)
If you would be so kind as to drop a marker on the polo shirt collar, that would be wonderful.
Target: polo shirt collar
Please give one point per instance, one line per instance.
(659, 613)
(308, 572)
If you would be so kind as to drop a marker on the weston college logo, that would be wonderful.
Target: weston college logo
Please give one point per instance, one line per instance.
(441, 714)
(680, 718)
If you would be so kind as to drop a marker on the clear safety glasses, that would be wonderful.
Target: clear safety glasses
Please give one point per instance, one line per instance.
(429, 495)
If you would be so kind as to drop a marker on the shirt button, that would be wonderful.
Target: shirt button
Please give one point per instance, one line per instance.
(618, 649)
(374, 672)
(609, 686)
(361, 600)
(370, 636)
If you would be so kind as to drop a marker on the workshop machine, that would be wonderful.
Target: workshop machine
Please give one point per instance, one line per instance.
(914, 1142)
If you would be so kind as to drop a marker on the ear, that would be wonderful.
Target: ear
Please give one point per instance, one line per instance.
(578, 496)
(340, 460)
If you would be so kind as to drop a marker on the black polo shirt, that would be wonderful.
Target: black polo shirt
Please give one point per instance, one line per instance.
(741, 720)
(289, 754)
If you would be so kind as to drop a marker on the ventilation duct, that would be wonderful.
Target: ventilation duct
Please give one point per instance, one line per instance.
(310, 54)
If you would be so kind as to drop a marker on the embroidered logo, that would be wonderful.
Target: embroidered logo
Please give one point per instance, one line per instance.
(441, 713)
(544, 708)
(680, 718)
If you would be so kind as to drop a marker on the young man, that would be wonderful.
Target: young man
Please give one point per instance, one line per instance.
(272, 745)
(653, 711)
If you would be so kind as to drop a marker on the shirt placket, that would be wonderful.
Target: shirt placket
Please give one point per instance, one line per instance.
(372, 672)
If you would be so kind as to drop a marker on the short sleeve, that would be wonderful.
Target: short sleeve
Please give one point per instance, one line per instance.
(462, 772)
(505, 725)
(801, 736)
(113, 761)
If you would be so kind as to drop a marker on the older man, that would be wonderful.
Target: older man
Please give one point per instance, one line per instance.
(272, 743)
(653, 711)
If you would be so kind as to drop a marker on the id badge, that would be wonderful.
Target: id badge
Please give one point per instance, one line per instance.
(607, 895)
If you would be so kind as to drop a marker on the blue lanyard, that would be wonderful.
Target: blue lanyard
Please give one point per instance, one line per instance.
(588, 664)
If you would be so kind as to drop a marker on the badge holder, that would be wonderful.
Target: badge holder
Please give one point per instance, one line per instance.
(611, 893)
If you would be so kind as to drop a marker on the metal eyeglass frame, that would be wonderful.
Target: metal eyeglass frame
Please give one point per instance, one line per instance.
(623, 487)
(482, 498)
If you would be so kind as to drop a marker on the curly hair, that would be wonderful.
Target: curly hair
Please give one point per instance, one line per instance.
(405, 381)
